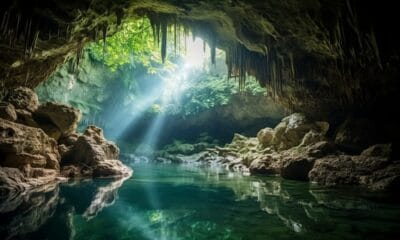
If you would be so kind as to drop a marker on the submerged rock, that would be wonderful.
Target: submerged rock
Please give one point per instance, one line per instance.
(23, 98)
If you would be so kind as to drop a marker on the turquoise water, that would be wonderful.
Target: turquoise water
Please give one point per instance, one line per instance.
(188, 202)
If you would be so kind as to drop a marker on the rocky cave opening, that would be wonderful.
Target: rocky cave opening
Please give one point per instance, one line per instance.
(134, 114)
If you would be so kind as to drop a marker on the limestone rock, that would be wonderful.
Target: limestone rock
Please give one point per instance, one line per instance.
(7, 111)
(265, 165)
(23, 98)
(291, 131)
(51, 130)
(14, 181)
(378, 150)
(93, 155)
(296, 168)
(69, 140)
(320, 149)
(65, 118)
(265, 136)
(373, 169)
(386, 179)
(21, 146)
(312, 137)
(25, 117)
(354, 135)
(334, 170)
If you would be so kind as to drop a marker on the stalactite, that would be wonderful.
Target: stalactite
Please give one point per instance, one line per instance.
(174, 26)
(164, 35)
(2, 26)
(5, 26)
(27, 76)
(213, 49)
(375, 47)
(67, 33)
(293, 75)
(104, 38)
(119, 12)
(16, 30)
(79, 54)
(35, 38)
(27, 35)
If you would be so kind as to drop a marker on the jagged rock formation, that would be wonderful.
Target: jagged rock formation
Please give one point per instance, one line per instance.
(31, 156)
(299, 149)
(92, 155)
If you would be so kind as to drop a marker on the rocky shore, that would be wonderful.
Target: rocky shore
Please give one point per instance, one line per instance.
(299, 149)
(39, 145)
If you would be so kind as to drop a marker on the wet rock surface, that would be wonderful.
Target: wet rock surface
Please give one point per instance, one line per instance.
(299, 149)
(373, 168)
(31, 156)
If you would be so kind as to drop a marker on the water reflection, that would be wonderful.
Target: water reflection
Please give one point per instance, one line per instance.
(23, 214)
(190, 202)
(104, 197)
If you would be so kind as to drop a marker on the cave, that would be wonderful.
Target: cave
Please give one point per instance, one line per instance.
(230, 119)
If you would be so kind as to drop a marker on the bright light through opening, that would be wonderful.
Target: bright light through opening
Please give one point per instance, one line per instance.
(196, 53)
(176, 82)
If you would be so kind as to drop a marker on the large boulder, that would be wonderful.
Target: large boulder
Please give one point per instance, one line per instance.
(64, 117)
(354, 135)
(21, 146)
(23, 98)
(296, 168)
(312, 137)
(291, 131)
(7, 111)
(373, 168)
(334, 170)
(265, 136)
(93, 155)
(25, 117)
(267, 164)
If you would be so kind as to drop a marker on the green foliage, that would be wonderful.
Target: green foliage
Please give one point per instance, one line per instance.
(209, 91)
(133, 44)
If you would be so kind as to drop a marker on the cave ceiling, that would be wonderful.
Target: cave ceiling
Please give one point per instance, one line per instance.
(310, 54)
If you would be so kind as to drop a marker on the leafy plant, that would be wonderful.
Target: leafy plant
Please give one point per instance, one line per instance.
(133, 44)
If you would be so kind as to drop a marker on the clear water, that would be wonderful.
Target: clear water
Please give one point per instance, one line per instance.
(184, 202)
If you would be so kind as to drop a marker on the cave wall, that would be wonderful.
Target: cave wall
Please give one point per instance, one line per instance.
(320, 57)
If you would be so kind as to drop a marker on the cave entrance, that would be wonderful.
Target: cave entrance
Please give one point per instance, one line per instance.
(146, 90)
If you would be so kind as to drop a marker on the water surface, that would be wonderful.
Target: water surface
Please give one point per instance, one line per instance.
(189, 202)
